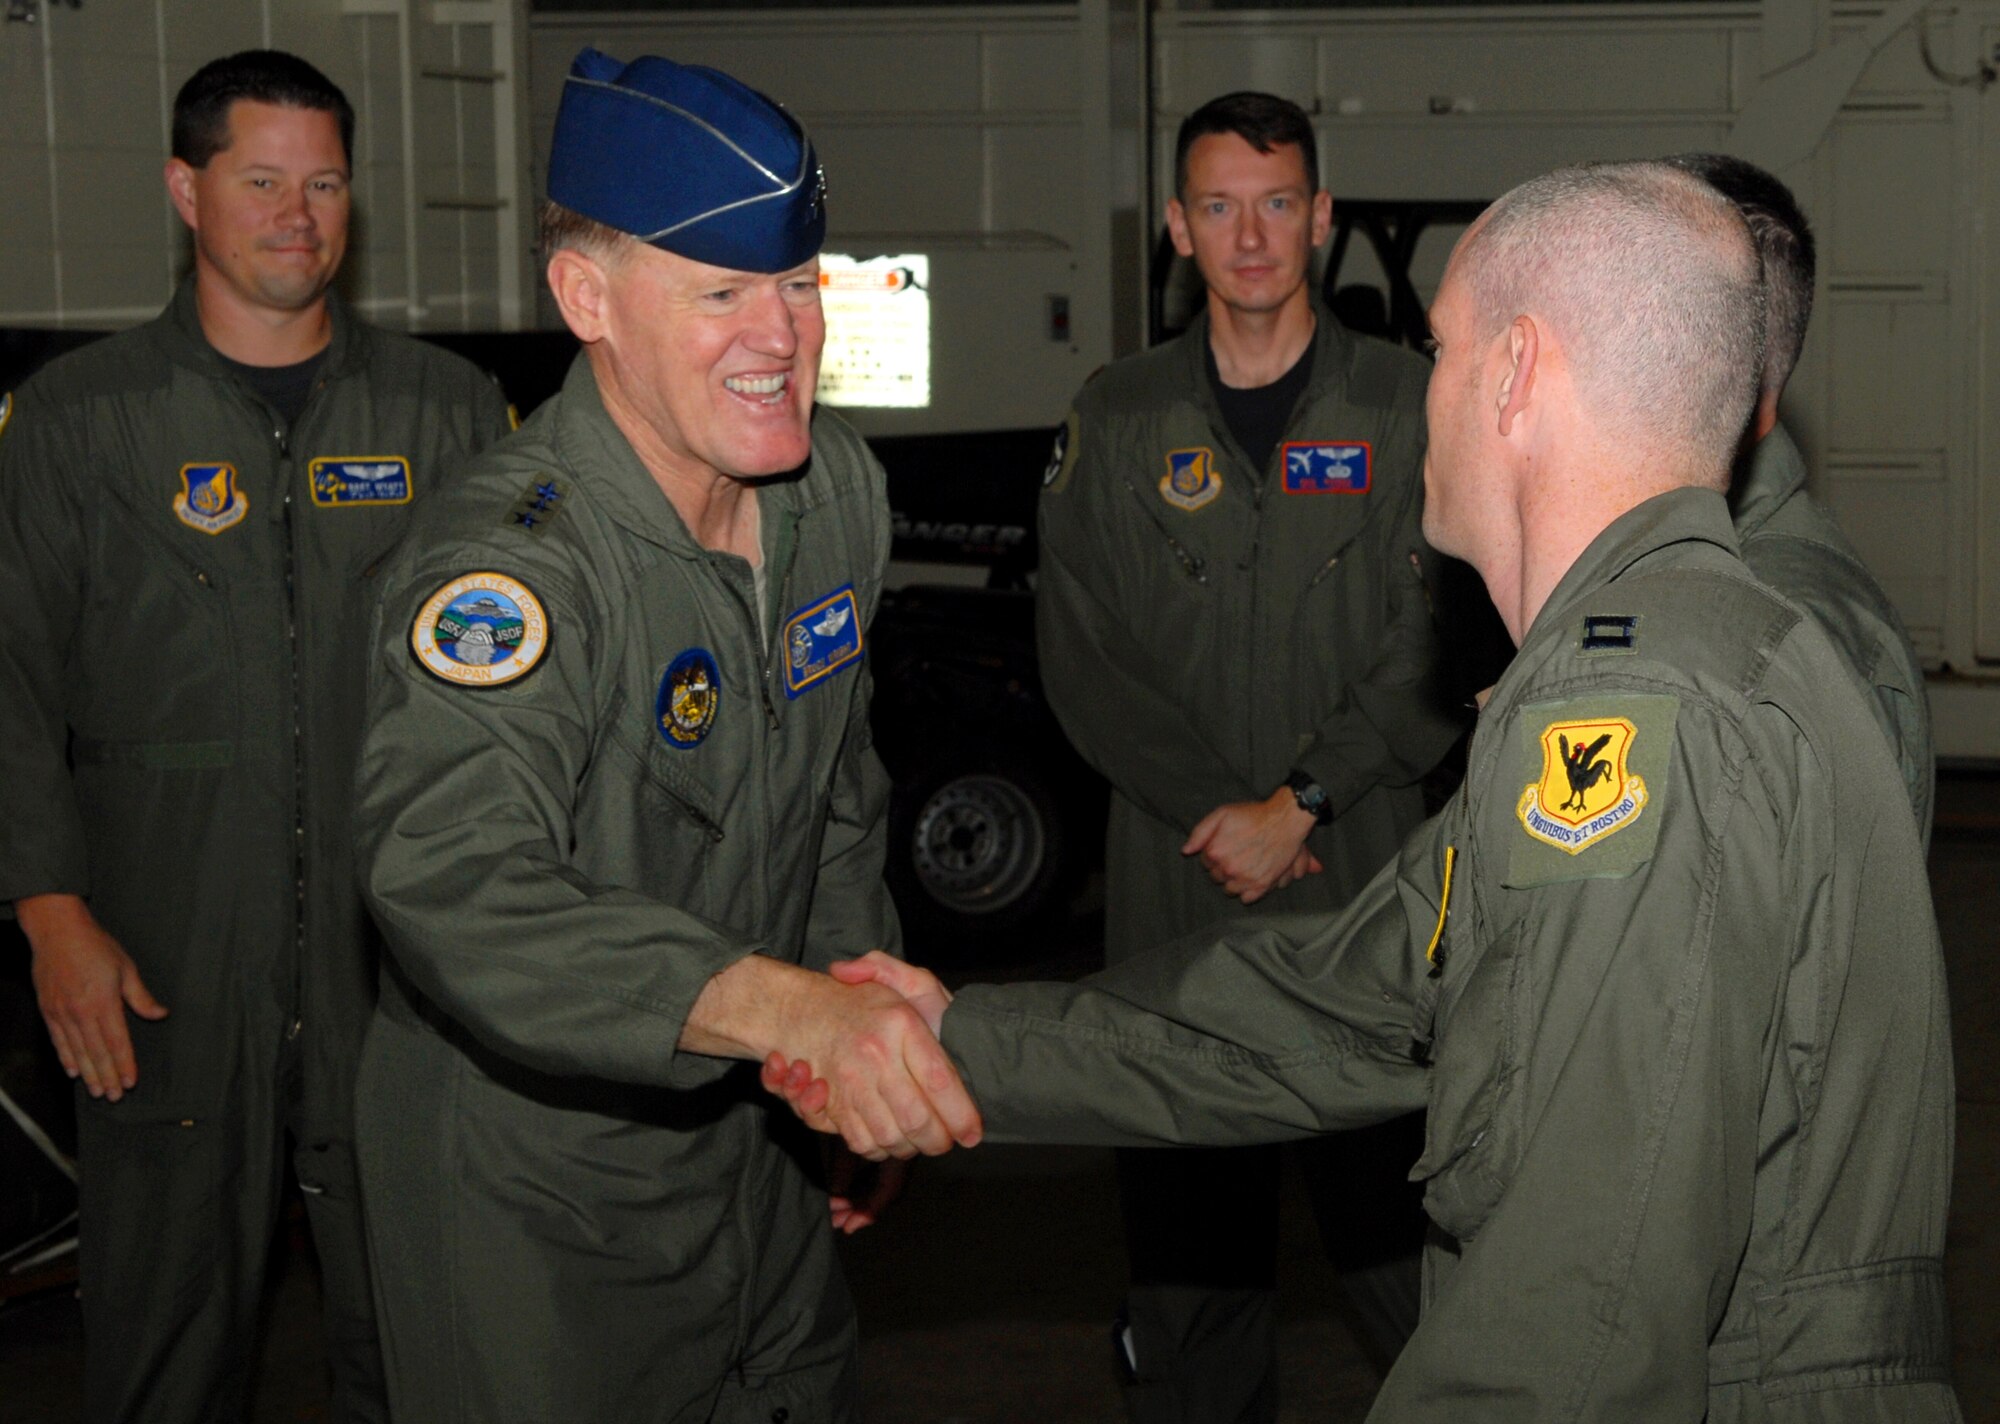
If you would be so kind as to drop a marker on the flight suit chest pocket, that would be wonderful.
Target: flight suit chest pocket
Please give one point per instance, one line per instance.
(1471, 1138)
(667, 720)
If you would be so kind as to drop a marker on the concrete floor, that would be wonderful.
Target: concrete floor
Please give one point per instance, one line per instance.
(986, 1295)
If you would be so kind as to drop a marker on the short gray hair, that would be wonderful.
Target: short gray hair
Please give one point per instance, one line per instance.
(557, 227)
(1650, 280)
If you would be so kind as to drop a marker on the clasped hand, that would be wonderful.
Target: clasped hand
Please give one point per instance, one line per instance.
(924, 1109)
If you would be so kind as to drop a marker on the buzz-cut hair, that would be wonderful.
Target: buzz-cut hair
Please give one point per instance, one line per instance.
(1785, 245)
(1650, 281)
(558, 227)
(1264, 121)
(265, 76)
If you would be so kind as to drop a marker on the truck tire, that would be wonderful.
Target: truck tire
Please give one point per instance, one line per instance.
(979, 849)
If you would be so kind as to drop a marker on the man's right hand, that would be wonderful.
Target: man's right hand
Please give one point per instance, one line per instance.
(891, 1091)
(84, 982)
(793, 1079)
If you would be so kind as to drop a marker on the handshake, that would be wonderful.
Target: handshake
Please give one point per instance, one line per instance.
(865, 1063)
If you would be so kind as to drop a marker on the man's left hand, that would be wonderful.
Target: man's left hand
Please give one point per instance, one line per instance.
(1251, 848)
(859, 1191)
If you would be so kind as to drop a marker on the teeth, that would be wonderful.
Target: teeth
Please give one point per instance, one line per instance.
(756, 385)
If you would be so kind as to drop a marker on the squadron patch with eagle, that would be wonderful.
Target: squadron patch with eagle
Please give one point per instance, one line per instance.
(1594, 770)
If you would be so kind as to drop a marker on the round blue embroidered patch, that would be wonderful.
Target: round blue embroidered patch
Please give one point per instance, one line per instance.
(690, 693)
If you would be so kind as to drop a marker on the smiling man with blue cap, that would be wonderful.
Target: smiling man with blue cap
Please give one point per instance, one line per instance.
(617, 804)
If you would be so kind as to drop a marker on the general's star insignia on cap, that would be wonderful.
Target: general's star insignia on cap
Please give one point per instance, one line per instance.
(481, 630)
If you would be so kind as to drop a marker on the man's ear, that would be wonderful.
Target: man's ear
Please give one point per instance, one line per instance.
(180, 190)
(581, 288)
(1322, 221)
(1177, 228)
(1517, 387)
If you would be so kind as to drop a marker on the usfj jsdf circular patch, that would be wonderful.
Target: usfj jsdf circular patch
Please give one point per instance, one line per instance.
(690, 696)
(481, 630)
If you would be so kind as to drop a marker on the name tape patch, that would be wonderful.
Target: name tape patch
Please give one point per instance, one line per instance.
(1328, 467)
(481, 630)
(341, 480)
(821, 639)
(209, 499)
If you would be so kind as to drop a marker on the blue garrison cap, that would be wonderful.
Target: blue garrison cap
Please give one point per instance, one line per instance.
(687, 159)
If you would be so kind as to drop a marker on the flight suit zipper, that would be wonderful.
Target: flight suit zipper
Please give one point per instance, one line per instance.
(281, 438)
(1194, 564)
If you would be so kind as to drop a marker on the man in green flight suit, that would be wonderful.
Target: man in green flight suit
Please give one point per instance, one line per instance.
(1665, 972)
(191, 514)
(1234, 630)
(617, 804)
(1789, 539)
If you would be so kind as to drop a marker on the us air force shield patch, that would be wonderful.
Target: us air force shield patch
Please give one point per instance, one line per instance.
(1191, 480)
(1598, 767)
(689, 697)
(209, 499)
(481, 630)
(6, 410)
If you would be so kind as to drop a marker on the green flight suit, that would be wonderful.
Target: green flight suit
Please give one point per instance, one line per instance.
(1199, 644)
(1685, 1046)
(1205, 627)
(181, 676)
(572, 1219)
(1792, 543)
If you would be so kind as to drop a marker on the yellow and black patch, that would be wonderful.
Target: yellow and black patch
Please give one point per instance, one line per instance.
(1595, 769)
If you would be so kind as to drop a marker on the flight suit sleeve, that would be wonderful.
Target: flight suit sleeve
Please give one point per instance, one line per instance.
(1095, 673)
(465, 810)
(42, 558)
(1592, 1141)
(1395, 723)
(1280, 1028)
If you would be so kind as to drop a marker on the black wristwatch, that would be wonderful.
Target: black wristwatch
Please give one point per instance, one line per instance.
(1310, 795)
